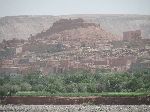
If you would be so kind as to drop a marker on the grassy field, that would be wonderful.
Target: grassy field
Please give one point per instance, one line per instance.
(40, 93)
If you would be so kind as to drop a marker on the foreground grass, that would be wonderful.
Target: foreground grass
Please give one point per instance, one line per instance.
(108, 94)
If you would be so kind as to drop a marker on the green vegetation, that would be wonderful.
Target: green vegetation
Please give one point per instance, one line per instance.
(43, 93)
(76, 83)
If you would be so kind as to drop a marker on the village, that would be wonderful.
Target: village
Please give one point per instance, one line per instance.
(72, 45)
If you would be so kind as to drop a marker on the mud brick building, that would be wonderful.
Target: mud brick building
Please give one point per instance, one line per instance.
(132, 35)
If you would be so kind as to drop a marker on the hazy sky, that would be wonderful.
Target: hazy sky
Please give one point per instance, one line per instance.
(63, 7)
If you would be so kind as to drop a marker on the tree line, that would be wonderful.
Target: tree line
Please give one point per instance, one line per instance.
(80, 81)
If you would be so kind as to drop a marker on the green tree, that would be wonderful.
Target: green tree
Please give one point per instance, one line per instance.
(91, 87)
(38, 87)
(14, 89)
(72, 88)
(25, 86)
(3, 91)
(82, 87)
(134, 84)
(52, 88)
(11, 89)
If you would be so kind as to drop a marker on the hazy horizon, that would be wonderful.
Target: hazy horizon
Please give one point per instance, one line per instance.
(70, 7)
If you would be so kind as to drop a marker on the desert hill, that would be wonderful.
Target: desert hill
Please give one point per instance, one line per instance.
(23, 26)
(76, 30)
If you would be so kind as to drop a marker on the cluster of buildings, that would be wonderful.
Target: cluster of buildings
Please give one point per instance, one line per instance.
(56, 55)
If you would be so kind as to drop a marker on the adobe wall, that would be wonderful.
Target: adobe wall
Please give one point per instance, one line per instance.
(78, 100)
(132, 35)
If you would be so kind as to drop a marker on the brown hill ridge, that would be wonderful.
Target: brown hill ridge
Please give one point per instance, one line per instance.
(20, 27)
(64, 24)
(76, 30)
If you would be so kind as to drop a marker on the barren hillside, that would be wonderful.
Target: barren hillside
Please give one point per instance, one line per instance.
(23, 26)
(76, 30)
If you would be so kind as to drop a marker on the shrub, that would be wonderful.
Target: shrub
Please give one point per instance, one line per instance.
(25, 87)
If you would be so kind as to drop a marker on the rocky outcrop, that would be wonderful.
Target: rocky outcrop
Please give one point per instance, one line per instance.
(76, 31)
(64, 24)
(69, 24)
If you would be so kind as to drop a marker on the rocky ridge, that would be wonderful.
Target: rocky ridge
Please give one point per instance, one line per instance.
(22, 26)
